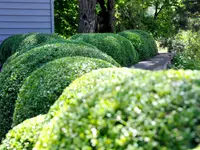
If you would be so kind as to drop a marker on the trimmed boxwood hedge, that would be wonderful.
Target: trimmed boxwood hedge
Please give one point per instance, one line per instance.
(12, 76)
(143, 43)
(150, 41)
(118, 47)
(12, 60)
(7, 45)
(24, 42)
(43, 87)
(34, 40)
(23, 136)
(86, 83)
(157, 110)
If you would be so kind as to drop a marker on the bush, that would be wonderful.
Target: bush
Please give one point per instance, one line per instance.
(143, 43)
(118, 47)
(188, 58)
(181, 61)
(35, 39)
(24, 42)
(85, 84)
(44, 86)
(153, 110)
(23, 136)
(150, 41)
(7, 45)
(11, 59)
(12, 76)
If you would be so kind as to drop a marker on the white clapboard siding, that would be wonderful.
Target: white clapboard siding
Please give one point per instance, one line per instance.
(25, 16)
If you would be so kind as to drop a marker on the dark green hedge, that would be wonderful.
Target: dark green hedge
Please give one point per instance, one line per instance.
(12, 60)
(150, 41)
(143, 43)
(43, 87)
(157, 110)
(23, 136)
(24, 42)
(118, 47)
(12, 76)
(8, 45)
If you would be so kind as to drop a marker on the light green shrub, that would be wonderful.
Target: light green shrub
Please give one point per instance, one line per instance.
(23, 136)
(151, 110)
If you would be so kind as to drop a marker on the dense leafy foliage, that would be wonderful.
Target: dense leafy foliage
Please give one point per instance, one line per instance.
(85, 84)
(66, 17)
(118, 47)
(13, 76)
(35, 39)
(11, 59)
(43, 87)
(142, 41)
(23, 136)
(188, 55)
(8, 45)
(129, 114)
(24, 43)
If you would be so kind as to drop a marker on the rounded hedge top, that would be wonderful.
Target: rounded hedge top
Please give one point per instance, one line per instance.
(118, 47)
(7, 45)
(43, 87)
(36, 39)
(86, 83)
(23, 136)
(150, 41)
(157, 110)
(142, 41)
(12, 76)
(24, 42)
(12, 60)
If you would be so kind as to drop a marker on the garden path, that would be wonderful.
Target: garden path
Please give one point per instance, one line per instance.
(159, 62)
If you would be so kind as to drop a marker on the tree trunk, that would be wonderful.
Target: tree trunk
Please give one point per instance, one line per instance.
(111, 15)
(87, 16)
(106, 16)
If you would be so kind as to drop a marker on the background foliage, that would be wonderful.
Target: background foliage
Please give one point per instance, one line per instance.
(66, 17)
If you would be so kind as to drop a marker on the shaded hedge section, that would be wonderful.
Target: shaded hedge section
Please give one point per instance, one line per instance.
(143, 43)
(148, 110)
(116, 46)
(43, 87)
(13, 76)
(23, 136)
(8, 45)
(23, 42)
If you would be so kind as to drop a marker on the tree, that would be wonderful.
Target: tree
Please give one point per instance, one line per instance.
(87, 16)
(91, 20)
(106, 16)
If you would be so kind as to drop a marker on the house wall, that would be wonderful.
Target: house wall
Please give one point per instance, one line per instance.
(24, 16)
